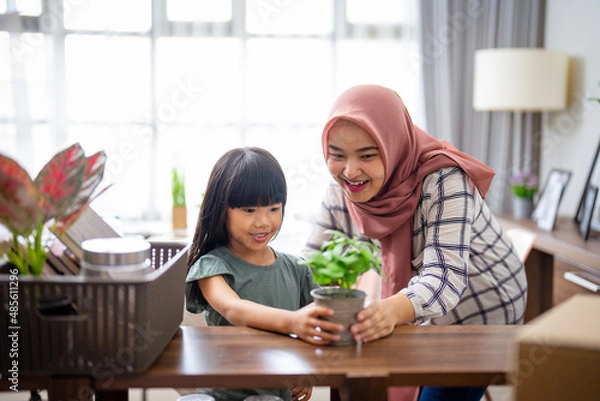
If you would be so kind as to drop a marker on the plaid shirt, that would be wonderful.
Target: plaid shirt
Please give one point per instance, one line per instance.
(465, 269)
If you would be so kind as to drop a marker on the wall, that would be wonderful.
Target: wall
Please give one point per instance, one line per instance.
(570, 138)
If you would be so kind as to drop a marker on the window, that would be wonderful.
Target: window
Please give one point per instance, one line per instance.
(163, 83)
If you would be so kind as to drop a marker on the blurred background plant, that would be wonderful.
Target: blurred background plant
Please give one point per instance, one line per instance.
(179, 215)
(55, 199)
(178, 187)
(524, 184)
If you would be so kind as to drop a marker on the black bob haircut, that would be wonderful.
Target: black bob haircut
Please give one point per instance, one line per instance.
(242, 177)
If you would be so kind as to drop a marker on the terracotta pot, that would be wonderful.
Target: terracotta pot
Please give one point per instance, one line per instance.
(179, 218)
(345, 308)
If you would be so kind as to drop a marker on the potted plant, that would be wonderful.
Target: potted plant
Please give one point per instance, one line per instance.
(336, 268)
(54, 200)
(524, 186)
(179, 215)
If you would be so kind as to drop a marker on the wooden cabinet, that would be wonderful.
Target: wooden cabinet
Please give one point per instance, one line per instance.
(578, 280)
(554, 254)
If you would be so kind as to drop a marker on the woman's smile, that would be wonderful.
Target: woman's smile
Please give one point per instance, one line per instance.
(356, 186)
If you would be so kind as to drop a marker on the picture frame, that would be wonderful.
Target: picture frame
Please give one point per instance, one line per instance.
(546, 209)
(587, 209)
(593, 179)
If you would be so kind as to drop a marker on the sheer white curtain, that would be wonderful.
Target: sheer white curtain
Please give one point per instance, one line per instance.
(451, 31)
(163, 83)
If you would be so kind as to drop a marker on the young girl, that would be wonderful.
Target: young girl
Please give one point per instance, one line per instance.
(235, 277)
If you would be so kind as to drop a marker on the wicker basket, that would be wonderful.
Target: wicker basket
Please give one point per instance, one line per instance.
(82, 325)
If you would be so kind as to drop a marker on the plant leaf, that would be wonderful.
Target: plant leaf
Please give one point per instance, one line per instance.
(342, 259)
(178, 187)
(93, 176)
(60, 180)
(61, 226)
(18, 198)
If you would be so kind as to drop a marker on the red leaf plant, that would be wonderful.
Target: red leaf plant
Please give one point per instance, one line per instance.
(62, 190)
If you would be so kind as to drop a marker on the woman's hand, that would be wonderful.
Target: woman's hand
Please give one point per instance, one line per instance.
(308, 326)
(381, 317)
(301, 393)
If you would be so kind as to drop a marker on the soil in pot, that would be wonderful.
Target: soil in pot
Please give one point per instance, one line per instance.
(346, 307)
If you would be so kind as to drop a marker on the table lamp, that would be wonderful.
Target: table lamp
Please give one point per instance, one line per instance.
(520, 80)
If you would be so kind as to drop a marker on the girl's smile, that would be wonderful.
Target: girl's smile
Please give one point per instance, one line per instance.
(261, 237)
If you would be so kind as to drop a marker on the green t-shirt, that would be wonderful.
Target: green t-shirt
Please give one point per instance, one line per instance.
(285, 284)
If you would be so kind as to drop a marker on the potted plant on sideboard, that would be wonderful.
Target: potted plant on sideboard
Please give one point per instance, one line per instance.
(524, 186)
(336, 267)
(179, 215)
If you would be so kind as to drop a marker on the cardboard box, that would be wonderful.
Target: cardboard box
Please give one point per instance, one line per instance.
(557, 356)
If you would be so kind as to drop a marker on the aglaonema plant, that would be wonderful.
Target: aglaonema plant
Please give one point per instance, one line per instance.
(341, 260)
(57, 196)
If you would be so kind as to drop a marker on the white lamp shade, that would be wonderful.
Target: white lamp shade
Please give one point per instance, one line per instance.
(520, 79)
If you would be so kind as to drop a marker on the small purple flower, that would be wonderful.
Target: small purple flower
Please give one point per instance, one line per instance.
(524, 184)
(532, 182)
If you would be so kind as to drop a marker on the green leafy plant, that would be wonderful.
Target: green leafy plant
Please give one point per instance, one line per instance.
(178, 187)
(55, 199)
(524, 184)
(341, 260)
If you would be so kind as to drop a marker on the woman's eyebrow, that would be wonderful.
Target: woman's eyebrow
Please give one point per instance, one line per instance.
(365, 149)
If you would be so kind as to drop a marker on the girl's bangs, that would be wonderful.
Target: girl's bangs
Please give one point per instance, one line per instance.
(256, 190)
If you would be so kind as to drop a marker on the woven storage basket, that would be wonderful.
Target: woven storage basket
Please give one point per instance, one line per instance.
(83, 325)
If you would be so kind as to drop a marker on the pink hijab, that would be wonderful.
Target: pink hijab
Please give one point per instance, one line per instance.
(409, 154)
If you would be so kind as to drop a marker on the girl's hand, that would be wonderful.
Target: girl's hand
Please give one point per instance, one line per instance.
(381, 317)
(301, 393)
(308, 326)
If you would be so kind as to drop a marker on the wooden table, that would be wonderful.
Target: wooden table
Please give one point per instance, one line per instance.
(564, 245)
(237, 357)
